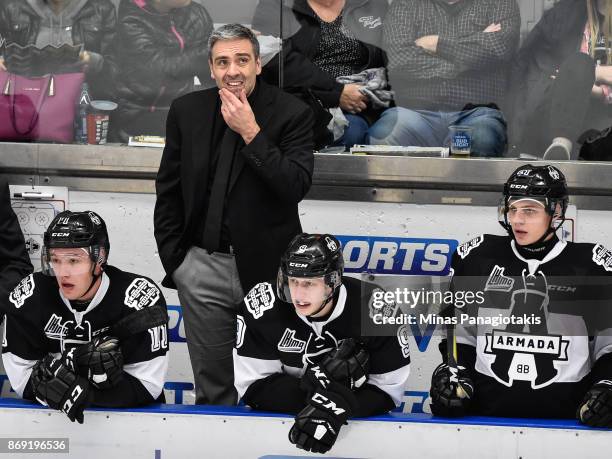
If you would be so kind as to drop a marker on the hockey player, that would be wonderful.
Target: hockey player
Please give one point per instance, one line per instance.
(551, 356)
(83, 332)
(299, 347)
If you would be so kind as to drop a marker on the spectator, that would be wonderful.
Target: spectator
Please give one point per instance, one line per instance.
(446, 59)
(14, 260)
(159, 48)
(238, 160)
(82, 332)
(562, 80)
(324, 40)
(90, 23)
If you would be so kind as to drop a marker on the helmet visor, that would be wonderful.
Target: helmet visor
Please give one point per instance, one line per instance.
(313, 290)
(66, 262)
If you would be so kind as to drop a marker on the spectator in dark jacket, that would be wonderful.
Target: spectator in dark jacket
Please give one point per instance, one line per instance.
(563, 79)
(160, 46)
(448, 65)
(90, 23)
(324, 40)
(14, 260)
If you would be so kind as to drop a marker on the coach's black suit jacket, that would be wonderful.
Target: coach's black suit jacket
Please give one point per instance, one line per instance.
(269, 178)
(14, 259)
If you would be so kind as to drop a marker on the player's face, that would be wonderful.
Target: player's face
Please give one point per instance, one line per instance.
(73, 271)
(307, 294)
(233, 65)
(529, 220)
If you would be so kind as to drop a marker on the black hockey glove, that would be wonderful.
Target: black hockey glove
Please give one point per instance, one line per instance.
(596, 407)
(59, 388)
(348, 365)
(313, 379)
(317, 426)
(100, 361)
(451, 391)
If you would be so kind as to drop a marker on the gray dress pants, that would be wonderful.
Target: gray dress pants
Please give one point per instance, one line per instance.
(209, 290)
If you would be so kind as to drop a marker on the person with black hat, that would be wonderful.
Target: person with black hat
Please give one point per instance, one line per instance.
(300, 347)
(81, 331)
(540, 345)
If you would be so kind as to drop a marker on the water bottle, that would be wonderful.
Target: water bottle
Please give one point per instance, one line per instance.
(80, 121)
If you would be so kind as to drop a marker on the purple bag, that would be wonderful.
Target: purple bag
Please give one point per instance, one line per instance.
(39, 108)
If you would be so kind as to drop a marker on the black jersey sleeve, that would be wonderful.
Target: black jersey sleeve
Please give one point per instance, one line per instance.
(255, 358)
(389, 369)
(129, 392)
(278, 392)
(461, 282)
(258, 371)
(23, 343)
(145, 354)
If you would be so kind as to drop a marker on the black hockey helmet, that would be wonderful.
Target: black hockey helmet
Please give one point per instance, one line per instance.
(84, 230)
(545, 184)
(311, 255)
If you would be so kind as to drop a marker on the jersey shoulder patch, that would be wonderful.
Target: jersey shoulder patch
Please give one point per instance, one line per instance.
(23, 291)
(464, 249)
(141, 293)
(259, 299)
(602, 257)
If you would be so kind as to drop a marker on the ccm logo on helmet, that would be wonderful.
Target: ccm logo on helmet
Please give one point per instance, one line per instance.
(298, 265)
(60, 234)
(518, 186)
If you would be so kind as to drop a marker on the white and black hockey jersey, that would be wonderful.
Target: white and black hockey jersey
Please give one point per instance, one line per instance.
(543, 333)
(42, 321)
(275, 345)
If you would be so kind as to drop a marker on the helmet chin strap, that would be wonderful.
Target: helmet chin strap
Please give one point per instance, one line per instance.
(549, 231)
(94, 279)
(320, 308)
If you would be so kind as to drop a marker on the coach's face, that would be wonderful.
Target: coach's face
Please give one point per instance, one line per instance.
(233, 66)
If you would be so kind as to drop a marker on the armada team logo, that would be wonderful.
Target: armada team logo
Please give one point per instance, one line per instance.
(141, 293)
(602, 257)
(525, 357)
(527, 352)
(260, 299)
(387, 309)
(289, 343)
(22, 292)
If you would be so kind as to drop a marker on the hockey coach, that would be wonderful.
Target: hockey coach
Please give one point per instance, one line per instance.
(238, 159)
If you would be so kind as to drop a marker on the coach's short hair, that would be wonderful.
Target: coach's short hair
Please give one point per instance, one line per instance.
(233, 32)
